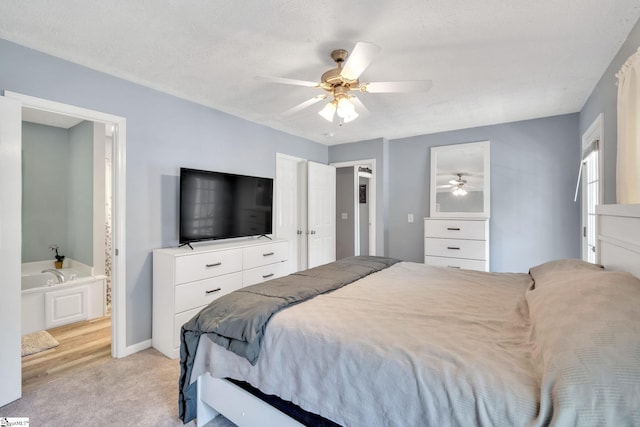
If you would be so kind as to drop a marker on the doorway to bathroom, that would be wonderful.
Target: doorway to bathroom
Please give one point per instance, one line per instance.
(102, 256)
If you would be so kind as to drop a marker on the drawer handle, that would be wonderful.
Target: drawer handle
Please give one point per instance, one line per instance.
(268, 254)
(453, 228)
(266, 276)
(453, 248)
(213, 265)
(453, 266)
(211, 291)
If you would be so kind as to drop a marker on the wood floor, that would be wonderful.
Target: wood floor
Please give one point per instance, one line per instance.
(81, 344)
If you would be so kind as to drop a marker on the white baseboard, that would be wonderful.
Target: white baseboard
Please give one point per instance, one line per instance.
(131, 349)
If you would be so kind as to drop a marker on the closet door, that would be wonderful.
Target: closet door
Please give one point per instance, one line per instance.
(10, 244)
(288, 202)
(321, 193)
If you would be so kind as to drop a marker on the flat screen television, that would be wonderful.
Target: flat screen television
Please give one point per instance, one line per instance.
(217, 205)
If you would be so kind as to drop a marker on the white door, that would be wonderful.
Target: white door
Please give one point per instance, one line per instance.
(287, 202)
(10, 249)
(321, 192)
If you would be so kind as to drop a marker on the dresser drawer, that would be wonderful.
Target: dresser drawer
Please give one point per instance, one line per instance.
(257, 256)
(455, 229)
(264, 273)
(202, 292)
(467, 264)
(455, 248)
(207, 264)
(179, 320)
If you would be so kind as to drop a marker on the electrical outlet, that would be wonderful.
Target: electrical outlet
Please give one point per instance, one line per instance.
(345, 215)
(410, 217)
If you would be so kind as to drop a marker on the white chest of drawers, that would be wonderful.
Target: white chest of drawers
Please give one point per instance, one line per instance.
(457, 243)
(186, 280)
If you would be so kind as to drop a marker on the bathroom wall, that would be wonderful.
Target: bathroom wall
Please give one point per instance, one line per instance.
(57, 192)
(45, 151)
(80, 197)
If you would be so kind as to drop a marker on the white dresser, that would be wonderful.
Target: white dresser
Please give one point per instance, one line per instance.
(457, 243)
(185, 280)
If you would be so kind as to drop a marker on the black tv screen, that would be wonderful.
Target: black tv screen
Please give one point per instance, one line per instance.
(216, 205)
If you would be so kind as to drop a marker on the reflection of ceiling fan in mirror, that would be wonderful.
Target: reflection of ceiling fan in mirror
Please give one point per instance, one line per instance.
(458, 186)
(338, 83)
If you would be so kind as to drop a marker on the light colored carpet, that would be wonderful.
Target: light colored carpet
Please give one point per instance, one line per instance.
(37, 342)
(138, 390)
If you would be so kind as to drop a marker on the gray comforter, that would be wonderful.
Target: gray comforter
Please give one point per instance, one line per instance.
(237, 321)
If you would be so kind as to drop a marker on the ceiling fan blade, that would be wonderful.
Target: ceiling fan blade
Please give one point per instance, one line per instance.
(304, 105)
(401, 86)
(359, 59)
(285, 81)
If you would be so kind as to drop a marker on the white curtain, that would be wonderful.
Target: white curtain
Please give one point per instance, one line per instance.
(628, 161)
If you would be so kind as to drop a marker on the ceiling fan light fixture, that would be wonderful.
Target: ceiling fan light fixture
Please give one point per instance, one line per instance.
(350, 117)
(345, 107)
(328, 111)
(459, 191)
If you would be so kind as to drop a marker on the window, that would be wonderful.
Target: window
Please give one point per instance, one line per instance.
(590, 198)
(590, 177)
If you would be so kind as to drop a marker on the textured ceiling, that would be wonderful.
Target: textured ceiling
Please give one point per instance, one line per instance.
(490, 61)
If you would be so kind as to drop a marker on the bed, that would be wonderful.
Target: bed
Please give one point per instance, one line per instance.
(410, 344)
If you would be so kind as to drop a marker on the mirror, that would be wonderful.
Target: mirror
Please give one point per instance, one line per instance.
(460, 185)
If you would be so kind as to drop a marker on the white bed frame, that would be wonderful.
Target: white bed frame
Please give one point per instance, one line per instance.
(618, 228)
(618, 247)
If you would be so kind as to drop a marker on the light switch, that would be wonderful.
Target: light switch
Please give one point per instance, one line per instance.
(344, 215)
(410, 218)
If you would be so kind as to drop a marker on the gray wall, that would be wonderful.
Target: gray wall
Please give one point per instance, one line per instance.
(534, 165)
(345, 230)
(80, 193)
(45, 154)
(603, 100)
(163, 134)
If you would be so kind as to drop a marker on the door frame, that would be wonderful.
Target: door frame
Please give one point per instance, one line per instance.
(371, 163)
(118, 256)
(10, 248)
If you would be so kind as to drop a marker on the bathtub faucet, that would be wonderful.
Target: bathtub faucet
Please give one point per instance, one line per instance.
(56, 273)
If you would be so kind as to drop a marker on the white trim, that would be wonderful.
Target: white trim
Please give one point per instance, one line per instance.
(372, 198)
(118, 316)
(10, 249)
(131, 349)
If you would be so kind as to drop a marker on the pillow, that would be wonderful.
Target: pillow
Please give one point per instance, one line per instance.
(586, 345)
(549, 271)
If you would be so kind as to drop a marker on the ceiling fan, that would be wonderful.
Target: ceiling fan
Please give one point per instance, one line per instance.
(339, 82)
(459, 186)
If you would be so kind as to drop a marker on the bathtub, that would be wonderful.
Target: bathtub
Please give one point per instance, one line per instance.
(47, 304)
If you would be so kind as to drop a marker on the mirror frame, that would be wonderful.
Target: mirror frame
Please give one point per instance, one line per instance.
(435, 152)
